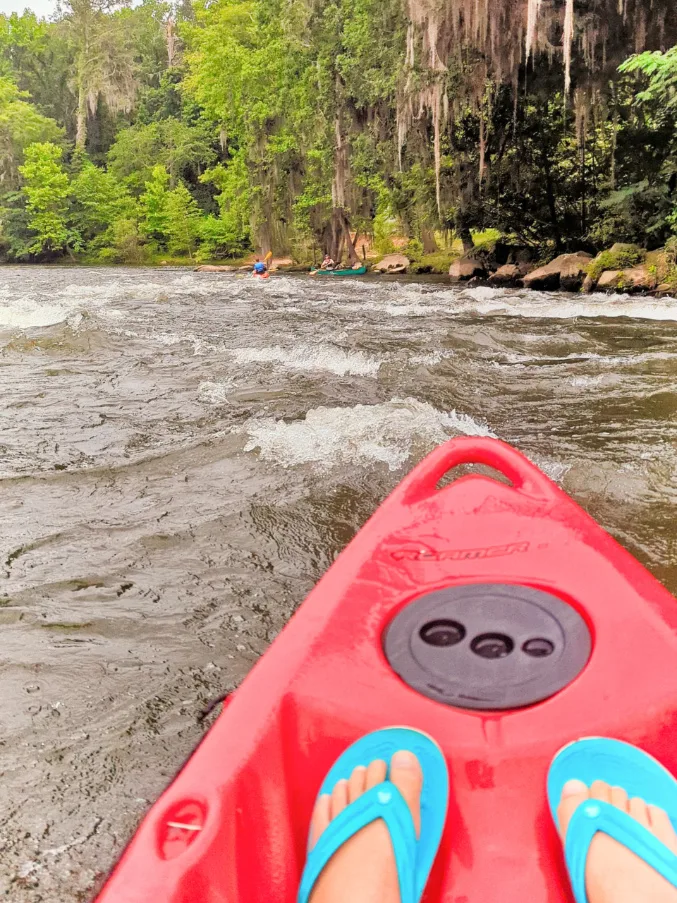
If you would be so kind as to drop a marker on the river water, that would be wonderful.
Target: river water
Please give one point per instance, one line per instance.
(182, 455)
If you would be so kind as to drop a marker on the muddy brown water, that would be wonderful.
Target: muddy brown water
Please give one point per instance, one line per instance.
(183, 455)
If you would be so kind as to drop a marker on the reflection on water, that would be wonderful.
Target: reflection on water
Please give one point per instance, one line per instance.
(183, 455)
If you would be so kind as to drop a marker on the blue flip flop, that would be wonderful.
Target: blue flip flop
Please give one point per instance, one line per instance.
(413, 857)
(621, 765)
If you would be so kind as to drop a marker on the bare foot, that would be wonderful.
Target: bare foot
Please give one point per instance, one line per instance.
(363, 870)
(613, 874)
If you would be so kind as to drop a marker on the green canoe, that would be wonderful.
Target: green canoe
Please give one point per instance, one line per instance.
(359, 272)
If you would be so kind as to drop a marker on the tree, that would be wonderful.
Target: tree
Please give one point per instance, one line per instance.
(46, 188)
(100, 201)
(155, 216)
(183, 221)
(185, 150)
(20, 126)
(104, 65)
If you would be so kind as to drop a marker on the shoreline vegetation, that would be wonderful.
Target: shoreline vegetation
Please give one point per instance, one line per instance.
(623, 268)
(512, 143)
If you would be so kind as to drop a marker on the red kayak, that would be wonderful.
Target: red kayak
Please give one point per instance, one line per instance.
(500, 619)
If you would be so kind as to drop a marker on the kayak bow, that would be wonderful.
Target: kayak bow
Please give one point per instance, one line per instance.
(500, 619)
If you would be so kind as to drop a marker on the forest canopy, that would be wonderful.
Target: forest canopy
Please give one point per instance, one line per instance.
(210, 128)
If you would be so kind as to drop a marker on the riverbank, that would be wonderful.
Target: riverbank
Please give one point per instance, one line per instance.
(620, 269)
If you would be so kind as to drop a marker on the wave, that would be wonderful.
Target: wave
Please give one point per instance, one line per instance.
(386, 433)
(306, 357)
(558, 306)
(214, 393)
(418, 300)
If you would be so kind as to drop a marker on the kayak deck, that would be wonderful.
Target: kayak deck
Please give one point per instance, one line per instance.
(233, 824)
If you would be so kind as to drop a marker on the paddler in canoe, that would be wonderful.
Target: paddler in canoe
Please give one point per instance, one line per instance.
(329, 268)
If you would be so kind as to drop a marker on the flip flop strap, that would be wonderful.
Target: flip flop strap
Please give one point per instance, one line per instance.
(384, 801)
(594, 816)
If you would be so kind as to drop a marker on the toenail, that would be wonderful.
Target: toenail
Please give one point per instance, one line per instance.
(404, 759)
(574, 787)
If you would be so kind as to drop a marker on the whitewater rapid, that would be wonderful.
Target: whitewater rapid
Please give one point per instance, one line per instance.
(183, 455)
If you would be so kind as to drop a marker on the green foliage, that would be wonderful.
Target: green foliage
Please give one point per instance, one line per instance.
(620, 257)
(183, 149)
(183, 221)
(20, 126)
(126, 246)
(153, 205)
(99, 203)
(434, 263)
(661, 71)
(207, 128)
(671, 251)
(413, 249)
(46, 188)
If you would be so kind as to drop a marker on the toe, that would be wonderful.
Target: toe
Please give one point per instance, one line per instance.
(321, 818)
(356, 783)
(600, 790)
(407, 776)
(339, 797)
(662, 827)
(376, 773)
(574, 793)
(619, 798)
(638, 809)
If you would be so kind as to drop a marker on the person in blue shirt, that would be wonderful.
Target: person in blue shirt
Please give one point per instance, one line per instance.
(260, 268)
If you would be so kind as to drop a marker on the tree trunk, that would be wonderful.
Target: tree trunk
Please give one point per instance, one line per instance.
(429, 243)
(352, 253)
(171, 41)
(552, 207)
(81, 117)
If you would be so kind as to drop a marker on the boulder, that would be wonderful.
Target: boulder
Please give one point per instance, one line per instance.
(566, 271)
(620, 248)
(209, 268)
(278, 262)
(608, 281)
(638, 279)
(392, 263)
(508, 274)
(466, 268)
(632, 279)
(589, 284)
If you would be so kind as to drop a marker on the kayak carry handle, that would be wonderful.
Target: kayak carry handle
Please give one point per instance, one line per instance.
(524, 475)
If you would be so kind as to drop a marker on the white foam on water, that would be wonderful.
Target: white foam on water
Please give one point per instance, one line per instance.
(580, 382)
(484, 300)
(415, 300)
(30, 313)
(306, 357)
(214, 393)
(430, 359)
(385, 433)
(201, 346)
(39, 310)
(612, 360)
